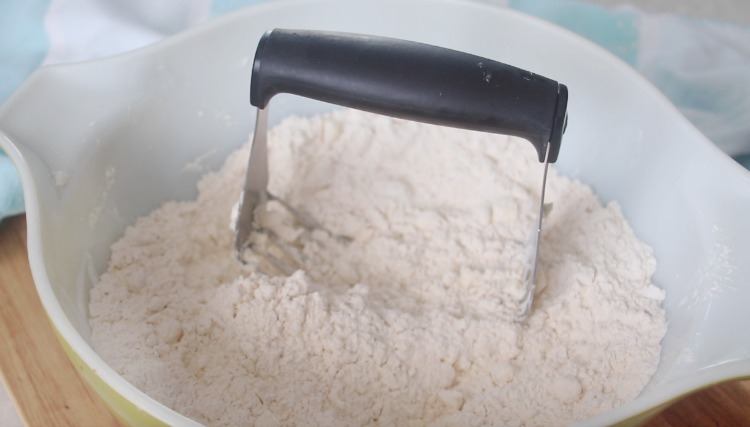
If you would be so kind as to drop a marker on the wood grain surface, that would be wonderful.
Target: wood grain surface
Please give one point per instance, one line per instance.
(49, 392)
(40, 378)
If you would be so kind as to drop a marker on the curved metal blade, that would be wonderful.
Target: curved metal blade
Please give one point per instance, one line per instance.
(533, 246)
(256, 180)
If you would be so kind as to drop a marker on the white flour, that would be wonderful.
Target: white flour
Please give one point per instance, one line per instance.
(409, 324)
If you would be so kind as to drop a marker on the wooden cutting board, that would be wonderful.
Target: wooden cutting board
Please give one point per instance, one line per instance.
(48, 391)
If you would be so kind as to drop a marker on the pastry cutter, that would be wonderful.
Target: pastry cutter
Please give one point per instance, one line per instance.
(403, 79)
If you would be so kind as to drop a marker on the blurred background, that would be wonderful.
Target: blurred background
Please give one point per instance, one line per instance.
(737, 11)
(696, 52)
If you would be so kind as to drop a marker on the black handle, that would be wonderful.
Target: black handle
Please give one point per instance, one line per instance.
(412, 81)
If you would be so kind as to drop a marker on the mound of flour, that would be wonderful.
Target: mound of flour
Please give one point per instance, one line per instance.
(412, 322)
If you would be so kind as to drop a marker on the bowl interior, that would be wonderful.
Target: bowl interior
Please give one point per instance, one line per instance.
(99, 144)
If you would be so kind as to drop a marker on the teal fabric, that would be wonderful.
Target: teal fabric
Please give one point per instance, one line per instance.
(616, 31)
(11, 196)
(23, 41)
(23, 46)
(220, 7)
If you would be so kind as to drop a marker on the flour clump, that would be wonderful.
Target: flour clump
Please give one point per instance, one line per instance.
(410, 321)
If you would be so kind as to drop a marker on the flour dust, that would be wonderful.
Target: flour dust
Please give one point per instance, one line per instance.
(412, 321)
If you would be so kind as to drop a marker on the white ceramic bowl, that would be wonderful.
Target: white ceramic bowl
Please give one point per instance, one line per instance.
(98, 144)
